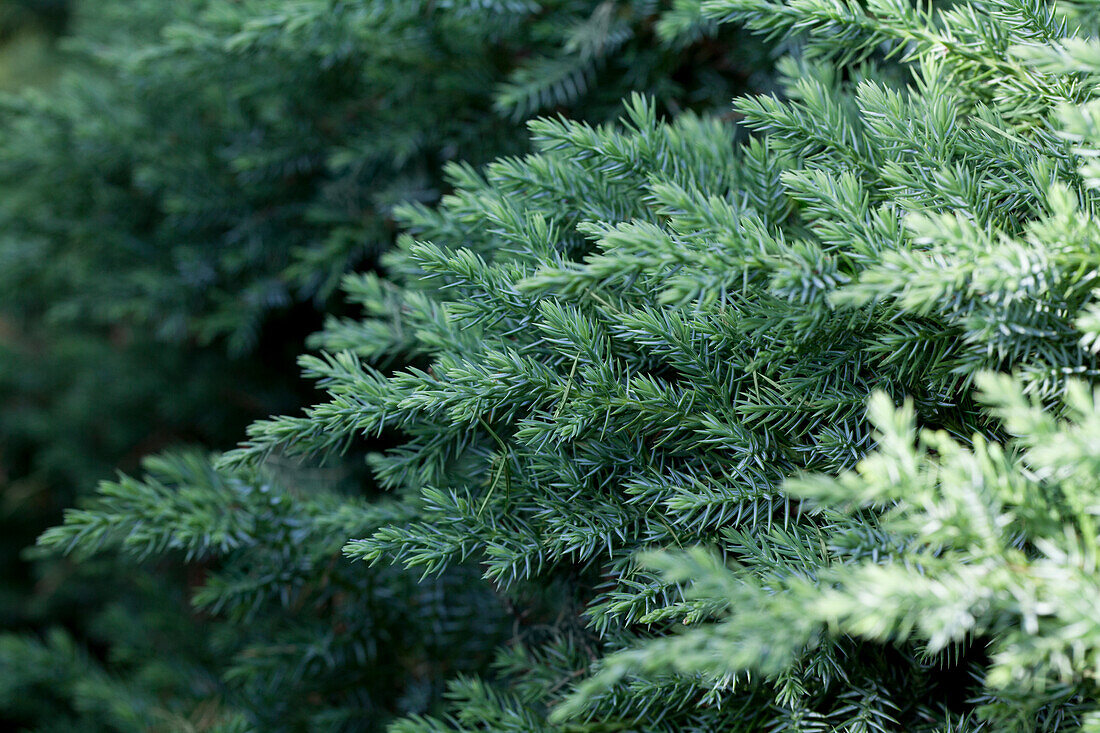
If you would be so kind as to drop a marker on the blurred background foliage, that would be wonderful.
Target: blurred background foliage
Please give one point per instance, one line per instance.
(182, 186)
(28, 29)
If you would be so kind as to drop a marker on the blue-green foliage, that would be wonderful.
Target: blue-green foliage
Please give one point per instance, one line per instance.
(635, 337)
(986, 555)
(206, 162)
(176, 207)
(661, 335)
(290, 635)
(203, 173)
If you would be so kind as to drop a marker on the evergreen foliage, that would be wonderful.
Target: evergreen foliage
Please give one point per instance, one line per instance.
(293, 637)
(649, 338)
(986, 563)
(177, 205)
(209, 161)
(641, 337)
(202, 174)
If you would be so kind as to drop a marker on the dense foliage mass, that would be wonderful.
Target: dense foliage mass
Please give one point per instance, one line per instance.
(204, 165)
(783, 425)
(180, 195)
(648, 337)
